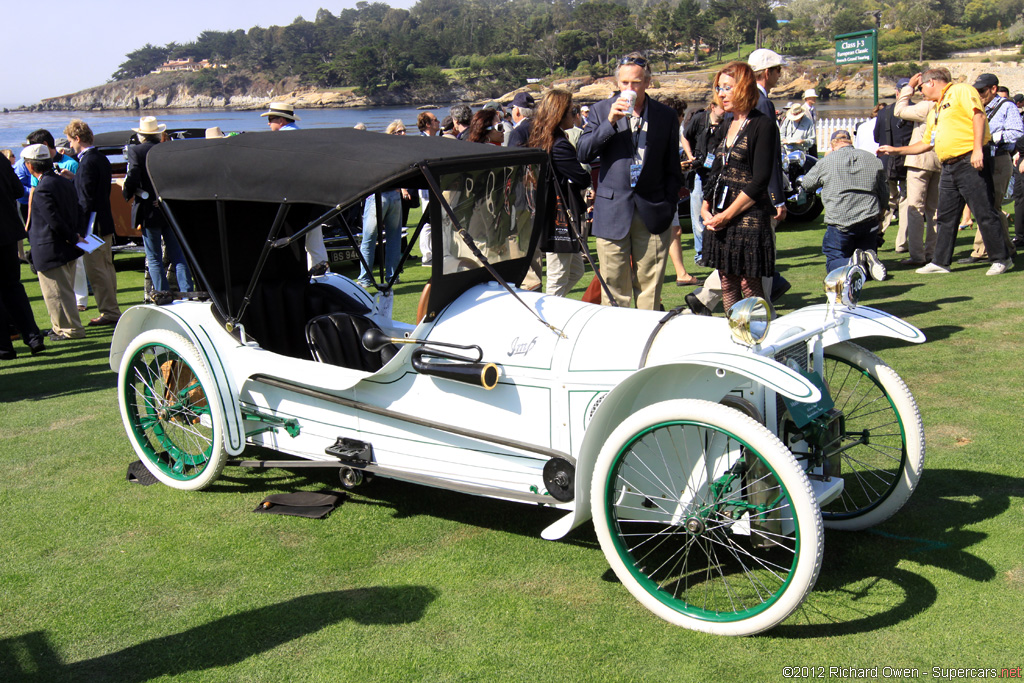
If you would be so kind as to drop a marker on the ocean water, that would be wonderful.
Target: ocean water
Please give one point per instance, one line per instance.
(16, 125)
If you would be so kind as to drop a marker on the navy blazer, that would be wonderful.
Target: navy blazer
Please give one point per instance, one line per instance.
(656, 195)
(92, 183)
(520, 135)
(55, 224)
(775, 185)
(12, 229)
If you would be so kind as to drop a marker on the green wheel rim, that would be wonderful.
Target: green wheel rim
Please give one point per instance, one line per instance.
(728, 571)
(871, 471)
(169, 412)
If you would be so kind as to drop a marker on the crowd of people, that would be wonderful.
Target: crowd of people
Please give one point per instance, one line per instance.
(941, 156)
(64, 199)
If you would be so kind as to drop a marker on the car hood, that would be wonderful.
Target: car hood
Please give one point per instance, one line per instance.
(574, 335)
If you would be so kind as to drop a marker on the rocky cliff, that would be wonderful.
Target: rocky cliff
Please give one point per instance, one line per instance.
(191, 91)
(185, 91)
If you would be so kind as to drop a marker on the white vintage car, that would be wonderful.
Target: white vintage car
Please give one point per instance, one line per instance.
(708, 452)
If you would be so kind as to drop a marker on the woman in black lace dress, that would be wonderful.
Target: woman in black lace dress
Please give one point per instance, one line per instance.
(737, 210)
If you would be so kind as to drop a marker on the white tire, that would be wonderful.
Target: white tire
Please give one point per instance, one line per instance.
(170, 410)
(882, 470)
(706, 518)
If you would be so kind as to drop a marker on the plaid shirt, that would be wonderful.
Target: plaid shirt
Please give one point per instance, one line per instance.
(853, 186)
(1004, 122)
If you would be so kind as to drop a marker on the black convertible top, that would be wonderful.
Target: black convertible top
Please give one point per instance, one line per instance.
(117, 139)
(328, 167)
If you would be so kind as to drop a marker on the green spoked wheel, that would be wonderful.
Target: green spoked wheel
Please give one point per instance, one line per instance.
(882, 445)
(173, 420)
(706, 518)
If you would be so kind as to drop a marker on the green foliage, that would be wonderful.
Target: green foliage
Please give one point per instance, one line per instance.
(207, 82)
(142, 61)
(373, 46)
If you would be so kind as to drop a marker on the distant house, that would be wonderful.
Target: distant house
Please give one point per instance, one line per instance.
(187, 64)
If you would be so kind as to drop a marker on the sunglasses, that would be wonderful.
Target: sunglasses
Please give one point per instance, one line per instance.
(638, 61)
(723, 88)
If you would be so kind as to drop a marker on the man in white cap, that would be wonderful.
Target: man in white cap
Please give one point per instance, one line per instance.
(281, 116)
(811, 99)
(54, 229)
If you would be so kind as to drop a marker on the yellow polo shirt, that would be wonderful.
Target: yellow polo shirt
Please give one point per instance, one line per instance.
(952, 121)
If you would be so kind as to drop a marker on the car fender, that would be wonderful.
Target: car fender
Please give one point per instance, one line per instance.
(139, 319)
(707, 375)
(862, 321)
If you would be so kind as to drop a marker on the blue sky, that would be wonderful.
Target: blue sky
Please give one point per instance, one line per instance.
(56, 47)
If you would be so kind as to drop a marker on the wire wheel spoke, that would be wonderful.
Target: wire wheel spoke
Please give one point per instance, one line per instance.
(167, 404)
(682, 504)
(875, 446)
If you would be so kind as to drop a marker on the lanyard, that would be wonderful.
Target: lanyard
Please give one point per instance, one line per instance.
(728, 147)
(635, 134)
(935, 123)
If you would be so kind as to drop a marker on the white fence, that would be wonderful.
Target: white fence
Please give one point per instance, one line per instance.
(825, 128)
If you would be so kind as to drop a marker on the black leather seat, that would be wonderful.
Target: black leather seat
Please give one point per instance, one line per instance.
(336, 338)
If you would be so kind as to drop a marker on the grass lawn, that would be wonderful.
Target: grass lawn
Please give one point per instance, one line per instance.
(102, 580)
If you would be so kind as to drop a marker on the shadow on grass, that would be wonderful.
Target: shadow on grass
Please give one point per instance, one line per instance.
(405, 500)
(222, 642)
(36, 383)
(862, 586)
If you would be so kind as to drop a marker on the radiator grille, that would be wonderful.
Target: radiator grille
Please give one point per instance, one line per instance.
(798, 354)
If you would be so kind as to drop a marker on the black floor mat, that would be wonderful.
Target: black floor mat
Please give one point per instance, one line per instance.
(311, 504)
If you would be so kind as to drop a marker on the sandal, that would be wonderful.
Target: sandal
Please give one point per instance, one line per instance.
(689, 281)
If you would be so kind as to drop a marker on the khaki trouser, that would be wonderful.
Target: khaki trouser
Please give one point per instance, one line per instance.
(1002, 170)
(99, 267)
(922, 202)
(644, 279)
(57, 286)
(564, 271)
(533, 275)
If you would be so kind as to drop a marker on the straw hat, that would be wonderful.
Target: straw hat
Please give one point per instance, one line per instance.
(214, 132)
(796, 112)
(148, 126)
(285, 111)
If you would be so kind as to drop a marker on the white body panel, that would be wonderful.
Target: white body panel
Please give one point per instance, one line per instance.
(559, 392)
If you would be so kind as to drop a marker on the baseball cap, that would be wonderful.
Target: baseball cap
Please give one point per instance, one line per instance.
(523, 100)
(763, 58)
(985, 81)
(35, 153)
(902, 83)
(841, 135)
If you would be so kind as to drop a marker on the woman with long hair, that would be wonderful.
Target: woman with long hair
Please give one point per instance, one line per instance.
(484, 127)
(552, 117)
(737, 210)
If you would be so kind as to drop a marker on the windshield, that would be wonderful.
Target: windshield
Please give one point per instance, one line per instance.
(496, 207)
